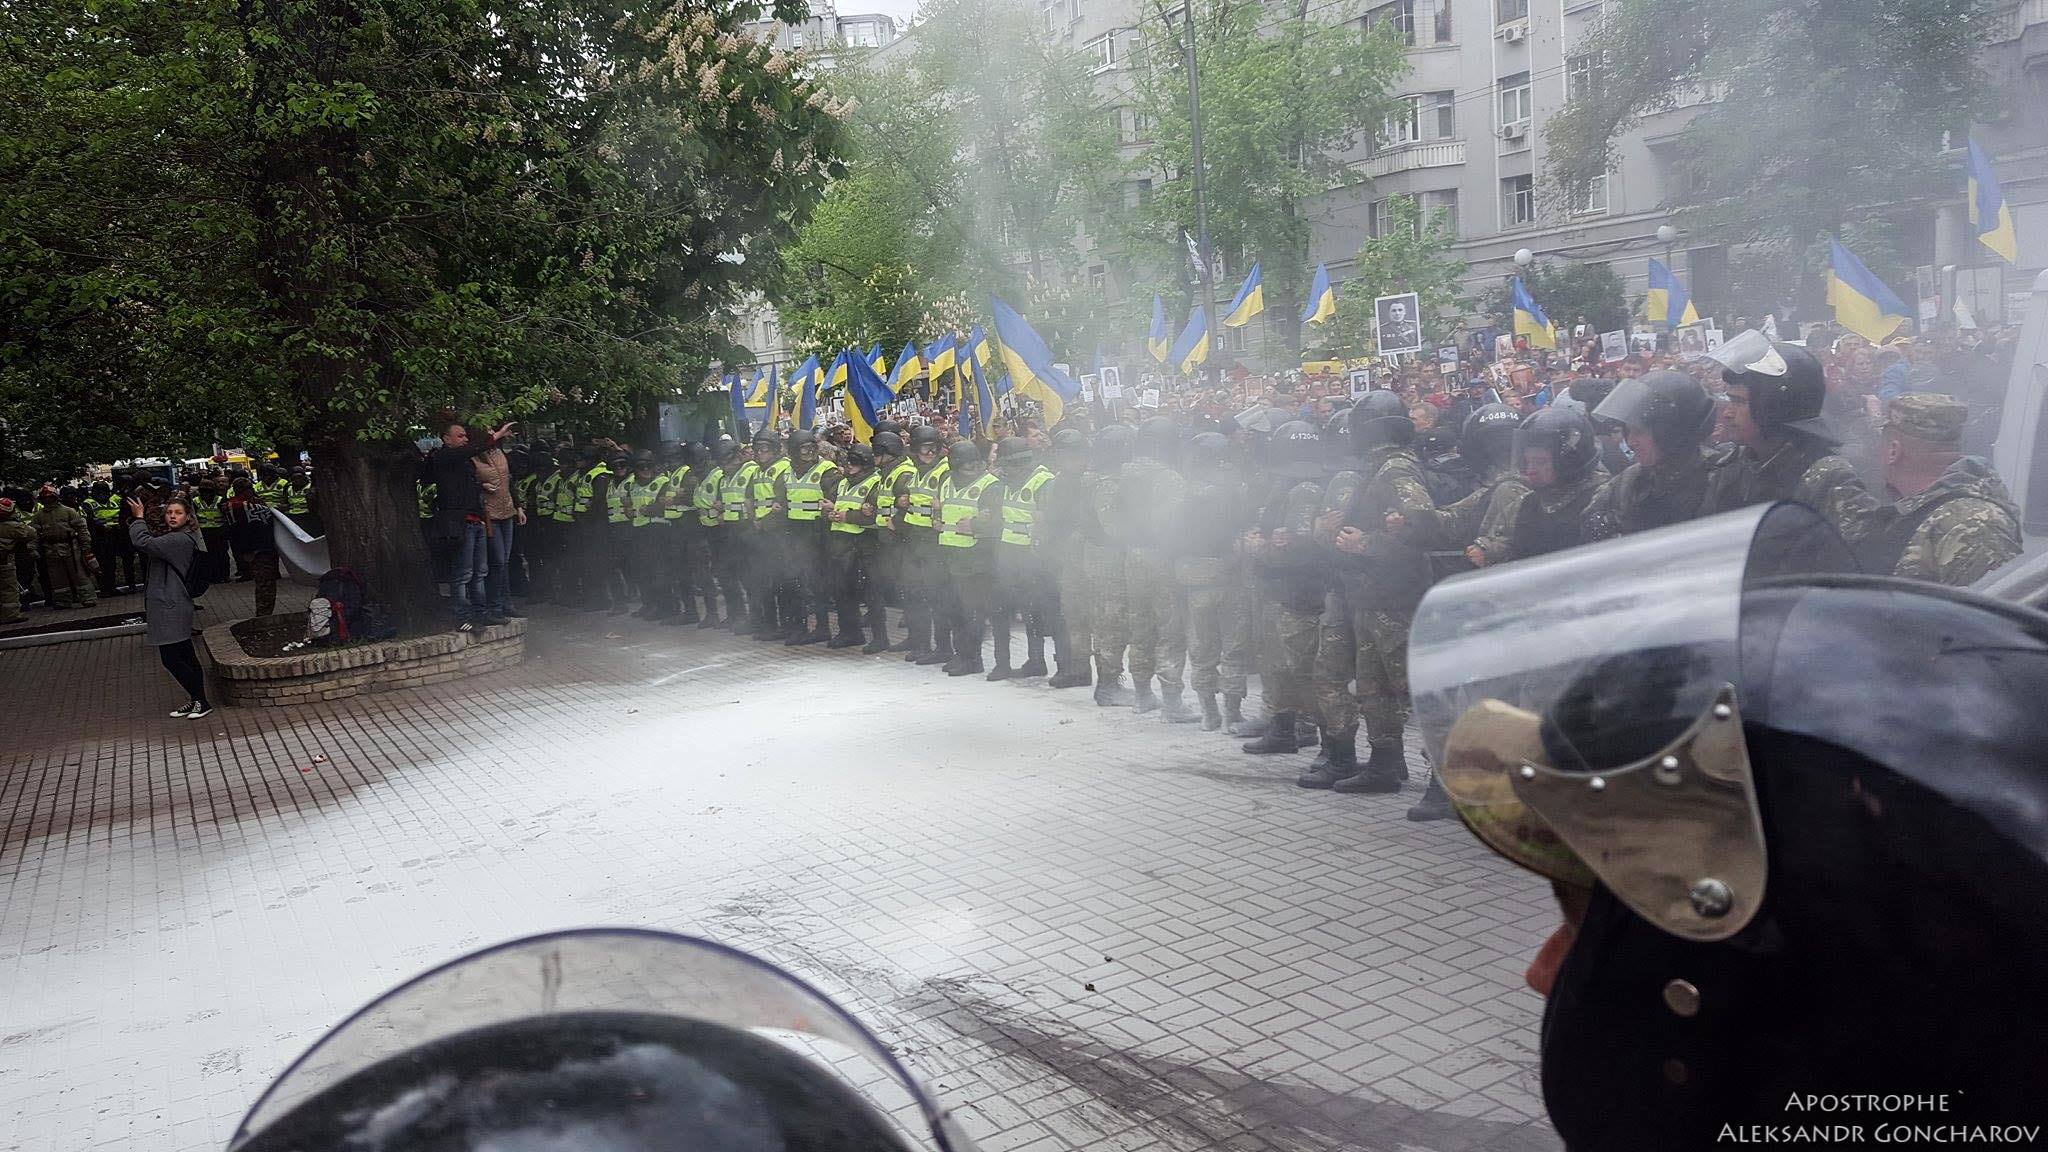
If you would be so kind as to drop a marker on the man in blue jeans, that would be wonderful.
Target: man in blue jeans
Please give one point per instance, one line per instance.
(459, 519)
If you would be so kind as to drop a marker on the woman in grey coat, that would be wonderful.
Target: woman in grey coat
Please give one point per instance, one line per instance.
(167, 606)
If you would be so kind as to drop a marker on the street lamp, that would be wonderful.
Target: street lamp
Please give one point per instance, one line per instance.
(1666, 234)
(1524, 257)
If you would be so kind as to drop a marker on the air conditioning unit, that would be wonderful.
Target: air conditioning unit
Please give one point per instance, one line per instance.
(1516, 131)
(1514, 33)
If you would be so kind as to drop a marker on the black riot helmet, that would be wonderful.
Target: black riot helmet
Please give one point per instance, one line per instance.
(1786, 385)
(1667, 404)
(1566, 434)
(858, 456)
(1014, 456)
(696, 455)
(802, 437)
(1208, 451)
(964, 456)
(893, 427)
(1113, 446)
(1488, 436)
(1070, 442)
(1296, 451)
(1157, 436)
(926, 435)
(724, 450)
(1795, 813)
(888, 444)
(1592, 391)
(1379, 418)
(613, 1039)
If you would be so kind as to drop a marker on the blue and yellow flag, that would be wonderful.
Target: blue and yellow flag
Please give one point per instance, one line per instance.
(867, 398)
(1322, 298)
(1192, 347)
(984, 400)
(1530, 320)
(939, 358)
(1668, 304)
(875, 360)
(908, 370)
(836, 378)
(1250, 301)
(738, 397)
(1990, 215)
(806, 381)
(1156, 341)
(1861, 301)
(775, 412)
(977, 350)
(1030, 365)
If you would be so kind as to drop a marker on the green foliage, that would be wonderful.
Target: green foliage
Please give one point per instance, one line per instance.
(1284, 98)
(1825, 113)
(1565, 292)
(1409, 258)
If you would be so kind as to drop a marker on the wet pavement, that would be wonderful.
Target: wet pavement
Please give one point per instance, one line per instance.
(184, 907)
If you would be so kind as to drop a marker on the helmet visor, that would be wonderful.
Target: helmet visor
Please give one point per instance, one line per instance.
(1749, 351)
(610, 970)
(1583, 708)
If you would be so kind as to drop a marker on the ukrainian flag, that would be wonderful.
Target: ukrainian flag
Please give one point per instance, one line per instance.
(1667, 303)
(774, 400)
(1192, 347)
(738, 397)
(1322, 298)
(1156, 341)
(835, 380)
(909, 368)
(940, 357)
(1530, 320)
(875, 360)
(1861, 301)
(977, 349)
(806, 380)
(1030, 365)
(1989, 213)
(1250, 301)
(866, 399)
(984, 401)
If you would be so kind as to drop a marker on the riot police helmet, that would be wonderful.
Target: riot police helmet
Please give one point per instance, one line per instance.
(1113, 446)
(1014, 456)
(892, 427)
(725, 449)
(1488, 438)
(1565, 436)
(926, 435)
(1379, 418)
(1785, 383)
(1207, 451)
(1296, 451)
(1668, 405)
(888, 444)
(964, 456)
(1157, 436)
(858, 455)
(1070, 441)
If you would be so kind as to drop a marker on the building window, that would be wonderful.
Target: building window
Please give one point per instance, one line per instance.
(1442, 206)
(1517, 201)
(1098, 277)
(1053, 12)
(1424, 116)
(1593, 200)
(1508, 11)
(796, 37)
(1584, 77)
(1101, 53)
(1400, 15)
(1236, 339)
(1139, 193)
(1402, 125)
(1434, 24)
(1132, 126)
(1514, 99)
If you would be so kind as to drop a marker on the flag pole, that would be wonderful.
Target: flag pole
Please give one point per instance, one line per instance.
(1208, 261)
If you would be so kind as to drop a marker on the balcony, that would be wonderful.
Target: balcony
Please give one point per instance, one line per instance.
(2011, 21)
(1440, 154)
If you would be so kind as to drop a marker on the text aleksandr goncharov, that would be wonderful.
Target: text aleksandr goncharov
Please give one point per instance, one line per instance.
(1906, 1119)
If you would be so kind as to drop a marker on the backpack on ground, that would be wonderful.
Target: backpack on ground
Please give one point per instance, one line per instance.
(336, 613)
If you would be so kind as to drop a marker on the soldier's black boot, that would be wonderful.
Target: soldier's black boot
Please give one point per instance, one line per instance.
(1034, 653)
(1002, 670)
(1145, 702)
(1435, 803)
(1304, 731)
(1212, 716)
(1279, 737)
(1233, 712)
(1071, 676)
(1341, 762)
(1032, 667)
(1174, 710)
(1382, 773)
(1111, 693)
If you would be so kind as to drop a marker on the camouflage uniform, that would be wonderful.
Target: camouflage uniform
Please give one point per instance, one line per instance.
(1551, 519)
(1961, 526)
(1149, 495)
(15, 532)
(66, 537)
(1207, 572)
(1293, 575)
(1102, 559)
(1691, 485)
(1485, 517)
(1364, 631)
(1804, 468)
(1063, 516)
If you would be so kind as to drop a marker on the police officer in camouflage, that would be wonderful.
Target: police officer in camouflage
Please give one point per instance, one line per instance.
(1473, 532)
(1293, 577)
(1213, 512)
(15, 533)
(1149, 494)
(1102, 557)
(1379, 579)
(1787, 452)
(1665, 417)
(1063, 519)
(1954, 521)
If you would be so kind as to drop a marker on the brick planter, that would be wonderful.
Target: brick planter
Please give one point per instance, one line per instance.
(334, 674)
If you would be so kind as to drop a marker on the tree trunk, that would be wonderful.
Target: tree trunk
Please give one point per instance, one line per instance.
(369, 506)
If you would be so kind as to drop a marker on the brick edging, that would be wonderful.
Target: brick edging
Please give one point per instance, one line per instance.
(333, 674)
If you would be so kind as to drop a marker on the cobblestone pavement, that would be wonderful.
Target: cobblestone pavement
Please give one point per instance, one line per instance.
(188, 905)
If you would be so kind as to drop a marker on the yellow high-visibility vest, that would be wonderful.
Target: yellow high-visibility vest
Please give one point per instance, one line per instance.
(924, 494)
(956, 504)
(1019, 506)
(850, 499)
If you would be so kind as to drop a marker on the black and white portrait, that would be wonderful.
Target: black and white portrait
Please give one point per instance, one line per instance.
(1398, 323)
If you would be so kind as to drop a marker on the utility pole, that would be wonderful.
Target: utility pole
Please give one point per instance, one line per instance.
(1201, 196)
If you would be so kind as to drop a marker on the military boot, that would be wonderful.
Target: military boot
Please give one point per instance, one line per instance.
(1002, 670)
(1341, 763)
(1233, 711)
(1382, 773)
(1145, 701)
(1212, 716)
(1278, 738)
(1174, 710)
(935, 656)
(1435, 803)
(1111, 693)
(1031, 668)
(1072, 677)
(1304, 731)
